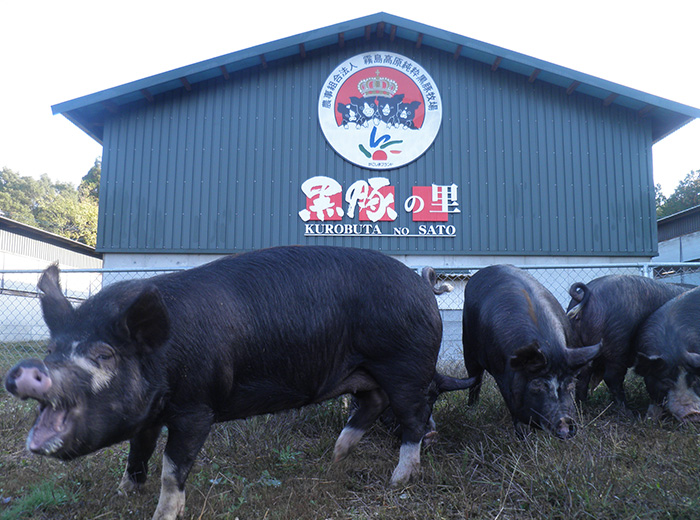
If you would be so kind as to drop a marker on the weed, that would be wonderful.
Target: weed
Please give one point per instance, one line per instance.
(287, 456)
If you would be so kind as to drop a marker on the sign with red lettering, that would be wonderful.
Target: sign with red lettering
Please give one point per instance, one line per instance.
(329, 210)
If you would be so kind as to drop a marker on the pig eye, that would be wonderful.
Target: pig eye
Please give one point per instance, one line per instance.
(101, 353)
(538, 385)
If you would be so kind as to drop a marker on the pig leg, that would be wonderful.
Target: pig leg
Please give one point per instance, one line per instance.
(171, 502)
(370, 404)
(583, 381)
(413, 428)
(141, 448)
(410, 404)
(614, 377)
(186, 437)
(474, 370)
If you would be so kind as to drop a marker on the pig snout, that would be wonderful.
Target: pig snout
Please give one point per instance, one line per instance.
(28, 379)
(565, 428)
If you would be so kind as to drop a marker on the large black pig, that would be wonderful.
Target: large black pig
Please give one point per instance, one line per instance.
(668, 357)
(610, 309)
(244, 335)
(515, 329)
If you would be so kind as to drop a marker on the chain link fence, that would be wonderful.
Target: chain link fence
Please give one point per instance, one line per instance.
(557, 279)
(23, 333)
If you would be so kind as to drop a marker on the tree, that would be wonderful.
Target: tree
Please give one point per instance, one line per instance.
(90, 183)
(660, 200)
(56, 207)
(69, 215)
(686, 195)
(20, 196)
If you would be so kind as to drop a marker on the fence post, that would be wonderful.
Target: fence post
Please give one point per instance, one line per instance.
(646, 271)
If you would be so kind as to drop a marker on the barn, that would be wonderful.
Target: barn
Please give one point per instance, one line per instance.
(384, 133)
(679, 247)
(24, 247)
(679, 236)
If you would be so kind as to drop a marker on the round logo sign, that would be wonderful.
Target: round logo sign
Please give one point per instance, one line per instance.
(380, 110)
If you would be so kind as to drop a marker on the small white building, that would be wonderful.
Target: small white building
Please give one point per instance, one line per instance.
(24, 249)
(679, 236)
(679, 243)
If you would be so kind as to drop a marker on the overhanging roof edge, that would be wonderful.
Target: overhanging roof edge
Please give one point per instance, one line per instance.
(212, 63)
(316, 34)
(677, 127)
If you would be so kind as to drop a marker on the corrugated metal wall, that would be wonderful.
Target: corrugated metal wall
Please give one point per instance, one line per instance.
(19, 246)
(220, 168)
(679, 225)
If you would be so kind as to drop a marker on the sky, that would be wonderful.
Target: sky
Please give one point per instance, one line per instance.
(51, 52)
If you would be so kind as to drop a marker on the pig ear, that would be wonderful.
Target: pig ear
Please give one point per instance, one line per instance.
(692, 361)
(578, 357)
(146, 320)
(529, 358)
(647, 365)
(55, 306)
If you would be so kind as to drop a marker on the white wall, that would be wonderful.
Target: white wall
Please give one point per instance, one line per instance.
(685, 248)
(150, 260)
(21, 315)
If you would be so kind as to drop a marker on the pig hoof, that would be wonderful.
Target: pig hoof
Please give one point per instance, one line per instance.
(348, 439)
(171, 505)
(403, 475)
(127, 486)
(654, 412)
(430, 438)
(409, 464)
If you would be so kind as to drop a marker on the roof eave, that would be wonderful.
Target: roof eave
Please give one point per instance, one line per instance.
(46, 236)
(660, 110)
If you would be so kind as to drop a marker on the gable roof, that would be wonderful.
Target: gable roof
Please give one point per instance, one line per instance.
(89, 112)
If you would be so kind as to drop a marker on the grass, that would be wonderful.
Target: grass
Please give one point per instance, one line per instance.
(40, 499)
(14, 352)
(279, 467)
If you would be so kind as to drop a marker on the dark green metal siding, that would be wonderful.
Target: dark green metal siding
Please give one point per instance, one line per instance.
(219, 169)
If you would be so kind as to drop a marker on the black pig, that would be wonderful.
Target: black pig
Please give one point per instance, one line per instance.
(610, 309)
(244, 335)
(441, 383)
(406, 113)
(668, 357)
(516, 330)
